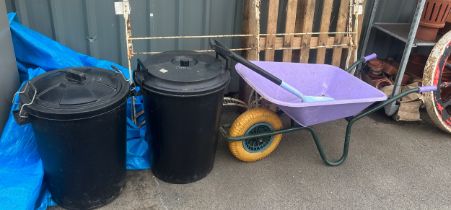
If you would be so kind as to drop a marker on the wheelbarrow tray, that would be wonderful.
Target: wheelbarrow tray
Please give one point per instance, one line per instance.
(350, 93)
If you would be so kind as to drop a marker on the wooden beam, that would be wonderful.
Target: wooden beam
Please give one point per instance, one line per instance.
(359, 23)
(307, 26)
(290, 22)
(324, 27)
(341, 27)
(312, 43)
(273, 13)
(299, 18)
(251, 25)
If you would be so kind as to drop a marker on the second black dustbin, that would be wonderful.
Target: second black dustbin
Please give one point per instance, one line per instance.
(183, 93)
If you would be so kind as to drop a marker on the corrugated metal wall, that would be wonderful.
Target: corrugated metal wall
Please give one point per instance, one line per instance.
(91, 26)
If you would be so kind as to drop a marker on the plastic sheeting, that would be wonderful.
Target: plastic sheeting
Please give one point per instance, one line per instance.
(21, 170)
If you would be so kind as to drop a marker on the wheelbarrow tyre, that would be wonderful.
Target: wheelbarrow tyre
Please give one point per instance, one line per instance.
(432, 76)
(247, 122)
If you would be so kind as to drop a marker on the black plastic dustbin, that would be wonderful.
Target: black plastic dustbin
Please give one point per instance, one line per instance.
(78, 118)
(183, 93)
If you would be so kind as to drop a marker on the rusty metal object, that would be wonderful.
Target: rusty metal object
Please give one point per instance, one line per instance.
(437, 105)
(375, 74)
(406, 79)
(376, 65)
(416, 64)
(376, 79)
(128, 42)
(391, 67)
(446, 81)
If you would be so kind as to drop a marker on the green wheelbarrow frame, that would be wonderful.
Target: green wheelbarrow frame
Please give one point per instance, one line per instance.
(350, 120)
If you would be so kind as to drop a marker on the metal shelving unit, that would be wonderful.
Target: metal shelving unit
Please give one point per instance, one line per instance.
(404, 32)
(400, 31)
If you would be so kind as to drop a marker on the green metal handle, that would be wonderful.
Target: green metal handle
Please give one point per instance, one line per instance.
(360, 61)
(351, 122)
(383, 104)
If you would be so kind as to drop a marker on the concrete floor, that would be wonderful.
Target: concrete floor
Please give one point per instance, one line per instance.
(391, 165)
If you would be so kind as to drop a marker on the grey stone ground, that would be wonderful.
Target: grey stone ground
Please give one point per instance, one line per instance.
(392, 165)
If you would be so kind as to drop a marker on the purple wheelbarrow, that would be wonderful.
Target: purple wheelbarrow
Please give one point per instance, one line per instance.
(258, 131)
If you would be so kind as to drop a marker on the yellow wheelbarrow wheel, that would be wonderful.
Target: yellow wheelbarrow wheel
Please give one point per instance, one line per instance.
(251, 122)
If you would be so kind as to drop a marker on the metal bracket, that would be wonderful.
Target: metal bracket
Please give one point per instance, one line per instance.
(18, 93)
(29, 103)
(115, 69)
(121, 8)
(358, 7)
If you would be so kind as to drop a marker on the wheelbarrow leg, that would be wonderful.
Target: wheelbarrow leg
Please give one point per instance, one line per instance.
(322, 154)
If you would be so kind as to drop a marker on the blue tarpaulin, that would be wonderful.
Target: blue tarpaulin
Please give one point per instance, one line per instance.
(21, 169)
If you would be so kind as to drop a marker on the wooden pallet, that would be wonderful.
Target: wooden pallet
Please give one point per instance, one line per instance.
(298, 42)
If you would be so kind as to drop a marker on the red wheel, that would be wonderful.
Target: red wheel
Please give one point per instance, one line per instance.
(437, 72)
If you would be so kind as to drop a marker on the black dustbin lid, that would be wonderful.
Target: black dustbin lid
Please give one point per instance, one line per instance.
(182, 73)
(74, 92)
